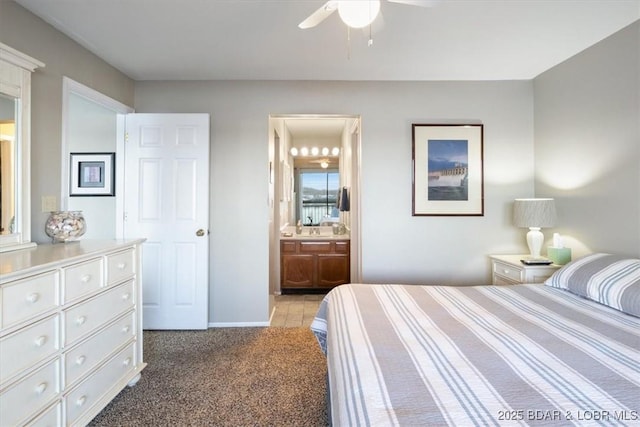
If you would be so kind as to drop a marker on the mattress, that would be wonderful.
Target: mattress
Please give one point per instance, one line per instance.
(479, 355)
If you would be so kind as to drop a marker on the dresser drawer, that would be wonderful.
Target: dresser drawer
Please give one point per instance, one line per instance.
(120, 266)
(84, 318)
(508, 271)
(82, 279)
(83, 397)
(24, 299)
(93, 351)
(50, 417)
(28, 346)
(30, 395)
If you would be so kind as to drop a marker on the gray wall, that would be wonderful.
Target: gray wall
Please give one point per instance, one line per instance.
(27, 33)
(587, 144)
(396, 247)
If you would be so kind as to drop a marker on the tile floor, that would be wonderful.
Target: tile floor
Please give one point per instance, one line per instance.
(295, 310)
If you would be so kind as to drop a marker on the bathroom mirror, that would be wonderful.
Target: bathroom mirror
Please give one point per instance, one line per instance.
(15, 145)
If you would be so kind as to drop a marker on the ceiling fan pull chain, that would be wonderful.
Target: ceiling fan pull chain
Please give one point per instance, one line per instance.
(370, 42)
(348, 43)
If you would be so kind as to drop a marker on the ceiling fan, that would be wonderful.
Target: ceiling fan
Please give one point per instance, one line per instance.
(355, 13)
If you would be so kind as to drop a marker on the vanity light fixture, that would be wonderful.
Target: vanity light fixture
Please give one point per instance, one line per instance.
(315, 151)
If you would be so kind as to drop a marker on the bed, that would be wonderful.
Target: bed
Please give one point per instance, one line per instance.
(563, 352)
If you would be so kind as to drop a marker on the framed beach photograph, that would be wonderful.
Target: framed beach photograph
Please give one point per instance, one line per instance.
(447, 177)
(92, 174)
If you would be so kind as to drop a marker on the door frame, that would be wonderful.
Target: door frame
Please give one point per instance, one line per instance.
(275, 138)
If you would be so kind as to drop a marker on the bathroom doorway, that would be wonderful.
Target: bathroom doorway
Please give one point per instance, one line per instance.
(312, 143)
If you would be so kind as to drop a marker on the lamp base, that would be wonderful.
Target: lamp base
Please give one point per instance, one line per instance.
(534, 241)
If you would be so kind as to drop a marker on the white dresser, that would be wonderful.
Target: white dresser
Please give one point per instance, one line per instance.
(70, 330)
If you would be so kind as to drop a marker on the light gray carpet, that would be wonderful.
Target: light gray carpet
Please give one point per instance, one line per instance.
(225, 377)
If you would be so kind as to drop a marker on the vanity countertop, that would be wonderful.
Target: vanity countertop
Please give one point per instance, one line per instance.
(325, 233)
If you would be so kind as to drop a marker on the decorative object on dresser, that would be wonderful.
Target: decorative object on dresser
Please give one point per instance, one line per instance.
(509, 270)
(65, 226)
(70, 330)
(534, 214)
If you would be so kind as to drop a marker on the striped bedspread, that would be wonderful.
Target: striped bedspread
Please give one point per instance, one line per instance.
(482, 355)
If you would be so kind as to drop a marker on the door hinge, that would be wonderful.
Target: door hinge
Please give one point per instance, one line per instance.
(125, 216)
(126, 137)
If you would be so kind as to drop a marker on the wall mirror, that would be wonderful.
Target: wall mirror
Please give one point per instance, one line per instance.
(15, 145)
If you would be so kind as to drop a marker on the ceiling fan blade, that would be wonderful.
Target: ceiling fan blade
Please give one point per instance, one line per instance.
(421, 3)
(319, 15)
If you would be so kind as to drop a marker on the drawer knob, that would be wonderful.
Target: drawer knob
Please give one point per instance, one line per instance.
(41, 340)
(80, 360)
(80, 401)
(505, 271)
(126, 329)
(86, 278)
(121, 266)
(33, 297)
(40, 388)
(126, 361)
(80, 320)
(125, 296)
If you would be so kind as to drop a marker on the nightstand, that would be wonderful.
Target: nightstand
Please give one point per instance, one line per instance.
(508, 270)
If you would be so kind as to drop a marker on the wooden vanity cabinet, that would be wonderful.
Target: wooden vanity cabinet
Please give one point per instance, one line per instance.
(314, 264)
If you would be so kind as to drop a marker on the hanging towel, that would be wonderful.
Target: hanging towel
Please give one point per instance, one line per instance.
(344, 199)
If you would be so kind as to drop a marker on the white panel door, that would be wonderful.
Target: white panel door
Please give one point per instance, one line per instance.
(167, 201)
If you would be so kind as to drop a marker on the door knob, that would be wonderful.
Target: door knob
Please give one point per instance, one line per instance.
(200, 232)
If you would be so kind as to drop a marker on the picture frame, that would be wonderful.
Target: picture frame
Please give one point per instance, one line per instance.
(447, 178)
(92, 174)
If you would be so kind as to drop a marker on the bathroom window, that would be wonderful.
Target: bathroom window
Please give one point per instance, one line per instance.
(318, 194)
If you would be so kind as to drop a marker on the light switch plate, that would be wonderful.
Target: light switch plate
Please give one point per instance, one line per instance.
(49, 203)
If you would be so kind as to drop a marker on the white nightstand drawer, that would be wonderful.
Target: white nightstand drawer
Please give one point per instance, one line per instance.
(28, 346)
(93, 351)
(508, 270)
(26, 298)
(30, 395)
(91, 390)
(86, 317)
(120, 266)
(82, 279)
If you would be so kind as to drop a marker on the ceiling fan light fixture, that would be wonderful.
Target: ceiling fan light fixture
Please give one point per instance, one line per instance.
(358, 13)
(324, 164)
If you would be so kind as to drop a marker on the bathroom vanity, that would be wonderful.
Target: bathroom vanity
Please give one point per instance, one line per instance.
(314, 262)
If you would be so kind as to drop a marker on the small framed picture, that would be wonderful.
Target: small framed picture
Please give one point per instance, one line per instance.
(92, 174)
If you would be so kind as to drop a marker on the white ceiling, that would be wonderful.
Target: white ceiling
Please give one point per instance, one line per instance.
(260, 40)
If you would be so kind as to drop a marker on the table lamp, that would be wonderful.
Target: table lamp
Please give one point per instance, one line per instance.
(534, 214)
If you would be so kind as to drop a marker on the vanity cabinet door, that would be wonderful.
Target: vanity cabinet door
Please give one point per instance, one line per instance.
(333, 270)
(297, 271)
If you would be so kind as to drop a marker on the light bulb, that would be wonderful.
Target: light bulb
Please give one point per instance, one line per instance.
(294, 151)
(304, 151)
(325, 151)
(358, 13)
(335, 151)
(324, 165)
(314, 151)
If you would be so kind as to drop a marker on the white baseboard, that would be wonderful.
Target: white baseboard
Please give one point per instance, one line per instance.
(237, 324)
